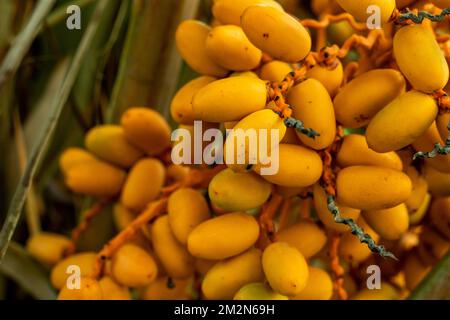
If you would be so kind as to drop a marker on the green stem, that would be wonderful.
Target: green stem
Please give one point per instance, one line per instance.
(422, 15)
(39, 149)
(300, 127)
(437, 150)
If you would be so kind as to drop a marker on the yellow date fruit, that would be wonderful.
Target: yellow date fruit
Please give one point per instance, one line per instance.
(432, 246)
(440, 215)
(230, 11)
(276, 33)
(48, 248)
(438, 182)
(224, 236)
(420, 58)
(190, 39)
(112, 290)
(161, 290)
(226, 277)
(186, 208)
(372, 188)
(258, 291)
(320, 203)
(84, 260)
(390, 223)
(144, 183)
(108, 142)
(318, 287)
(330, 78)
(181, 106)
(229, 47)
(146, 129)
(306, 237)
(285, 268)
(275, 71)
(71, 157)
(132, 266)
(312, 104)
(401, 122)
(364, 96)
(177, 262)
(417, 215)
(229, 99)
(235, 191)
(442, 123)
(351, 249)
(90, 289)
(359, 9)
(386, 292)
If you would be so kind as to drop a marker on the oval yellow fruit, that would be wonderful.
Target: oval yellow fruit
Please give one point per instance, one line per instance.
(226, 277)
(161, 290)
(147, 130)
(386, 292)
(298, 166)
(190, 39)
(320, 203)
(312, 104)
(419, 189)
(71, 157)
(276, 33)
(401, 122)
(420, 58)
(224, 236)
(112, 290)
(416, 216)
(389, 223)
(229, 47)
(137, 191)
(372, 188)
(364, 96)
(355, 151)
(48, 248)
(359, 9)
(285, 268)
(230, 11)
(84, 260)
(306, 237)
(186, 208)
(318, 287)
(438, 182)
(108, 142)
(132, 266)
(258, 291)
(440, 215)
(330, 78)
(275, 71)
(235, 191)
(89, 290)
(181, 106)
(442, 122)
(229, 99)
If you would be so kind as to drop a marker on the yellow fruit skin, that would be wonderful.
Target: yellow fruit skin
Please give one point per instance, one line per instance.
(258, 124)
(84, 260)
(438, 182)
(354, 251)
(285, 268)
(122, 216)
(212, 239)
(144, 183)
(89, 290)
(158, 290)
(386, 292)
(318, 287)
(133, 267)
(390, 223)
(181, 106)
(358, 9)
(276, 32)
(355, 151)
(72, 157)
(312, 104)
(275, 71)
(229, 99)
(186, 209)
(441, 3)
(440, 215)
(229, 47)
(331, 79)
(226, 277)
(306, 237)
(108, 142)
(177, 262)
(364, 96)
(401, 122)
(234, 191)
(190, 39)
(320, 202)
(414, 270)
(48, 248)
(442, 122)
(420, 58)
(230, 11)
(298, 167)
(419, 190)
(147, 130)
(372, 188)
(426, 143)
(258, 291)
(417, 215)
(95, 178)
(112, 290)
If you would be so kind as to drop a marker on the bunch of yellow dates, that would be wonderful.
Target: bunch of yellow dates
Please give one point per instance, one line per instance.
(372, 97)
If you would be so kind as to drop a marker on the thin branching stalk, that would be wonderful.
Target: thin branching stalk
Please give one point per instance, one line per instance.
(43, 142)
